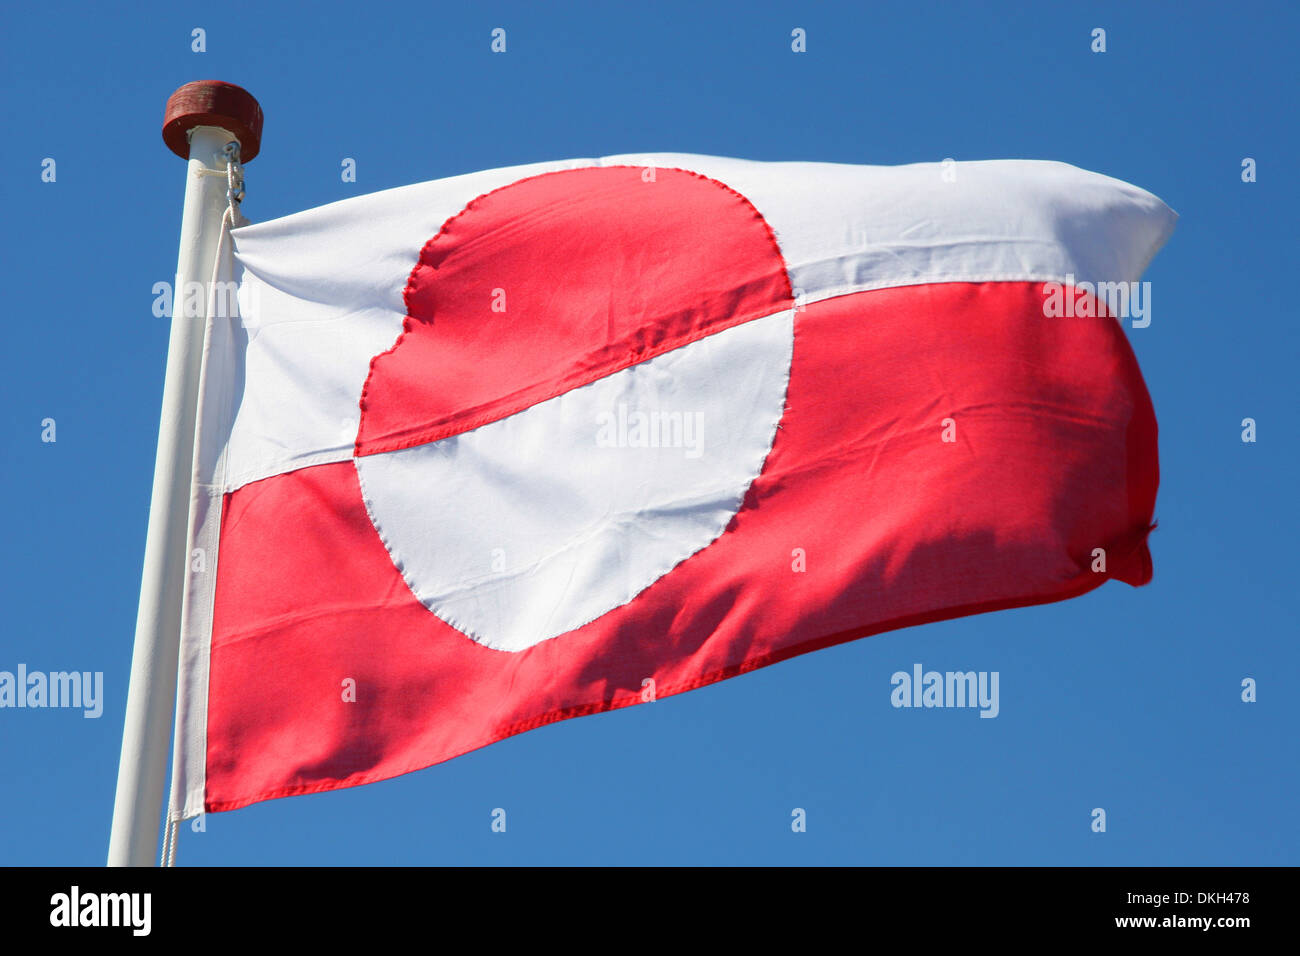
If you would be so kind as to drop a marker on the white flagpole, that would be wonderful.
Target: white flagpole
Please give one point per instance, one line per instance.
(200, 119)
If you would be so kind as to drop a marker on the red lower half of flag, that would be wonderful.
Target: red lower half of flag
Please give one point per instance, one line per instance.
(945, 450)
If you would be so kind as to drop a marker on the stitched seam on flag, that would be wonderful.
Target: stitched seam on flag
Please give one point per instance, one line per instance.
(741, 506)
(837, 292)
(253, 475)
(446, 430)
(1087, 582)
(466, 423)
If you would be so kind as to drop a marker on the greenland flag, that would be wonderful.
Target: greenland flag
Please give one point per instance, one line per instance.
(484, 453)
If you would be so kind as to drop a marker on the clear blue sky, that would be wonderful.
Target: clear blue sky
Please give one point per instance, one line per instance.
(1123, 699)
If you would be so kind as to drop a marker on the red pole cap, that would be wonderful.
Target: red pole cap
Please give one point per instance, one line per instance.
(212, 103)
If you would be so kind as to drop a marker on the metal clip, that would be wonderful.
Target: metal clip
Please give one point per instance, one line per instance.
(234, 175)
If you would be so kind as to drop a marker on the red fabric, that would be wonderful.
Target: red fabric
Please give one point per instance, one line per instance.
(598, 270)
(1055, 455)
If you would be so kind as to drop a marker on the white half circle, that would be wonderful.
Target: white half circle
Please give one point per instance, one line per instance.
(533, 525)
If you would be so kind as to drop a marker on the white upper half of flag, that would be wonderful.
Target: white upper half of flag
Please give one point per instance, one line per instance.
(322, 290)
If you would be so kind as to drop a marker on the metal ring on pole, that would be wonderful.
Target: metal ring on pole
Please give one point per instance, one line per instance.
(234, 177)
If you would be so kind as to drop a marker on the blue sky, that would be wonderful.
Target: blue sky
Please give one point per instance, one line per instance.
(1126, 699)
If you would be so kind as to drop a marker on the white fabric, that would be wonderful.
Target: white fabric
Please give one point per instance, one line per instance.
(323, 288)
(510, 532)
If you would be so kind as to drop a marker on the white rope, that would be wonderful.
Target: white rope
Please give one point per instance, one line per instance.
(169, 844)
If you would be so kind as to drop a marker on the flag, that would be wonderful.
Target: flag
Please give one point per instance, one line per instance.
(484, 453)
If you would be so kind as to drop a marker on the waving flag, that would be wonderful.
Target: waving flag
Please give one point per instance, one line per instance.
(484, 453)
